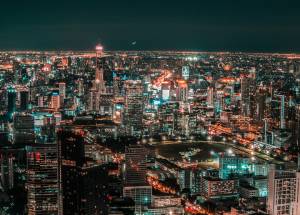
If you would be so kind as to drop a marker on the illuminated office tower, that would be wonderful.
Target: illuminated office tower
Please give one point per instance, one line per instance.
(80, 87)
(94, 101)
(23, 129)
(185, 72)
(6, 171)
(168, 117)
(99, 84)
(210, 97)
(117, 85)
(185, 179)
(99, 81)
(62, 92)
(135, 161)
(42, 179)
(81, 182)
(182, 91)
(165, 90)
(11, 102)
(282, 114)
(260, 106)
(24, 100)
(248, 89)
(245, 96)
(281, 192)
(220, 102)
(55, 100)
(133, 108)
(135, 185)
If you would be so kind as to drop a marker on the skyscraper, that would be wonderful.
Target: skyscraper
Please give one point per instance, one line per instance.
(6, 171)
(135, 161)
(42, 179)
(248, 87)
(11, 102)
(182, 91)
(210, 97)
(282, 112)
(135, 185)
(281, 192)
(55, 100)
(81, 183)
(185, 72)
(99, 80)
(133, 109)
(24, 99)
(98, 84)
(62, 92)
(23, 129)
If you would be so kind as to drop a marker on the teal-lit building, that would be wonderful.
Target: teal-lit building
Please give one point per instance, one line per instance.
(11, 102)
(232, 165)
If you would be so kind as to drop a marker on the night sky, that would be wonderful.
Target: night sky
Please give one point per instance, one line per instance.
(210, 25)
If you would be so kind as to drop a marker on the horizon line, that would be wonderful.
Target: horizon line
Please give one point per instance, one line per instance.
(147, 50)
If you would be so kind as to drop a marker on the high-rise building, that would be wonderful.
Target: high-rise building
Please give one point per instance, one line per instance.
(185, 72)
(165, 91)
(168, 117)
(182, 91)
(62, 92)
(55, 100)
(6, 171)
(133, 108)
(260, 106)
(135, 161)
(81, 182)
(99, 87)
(281, 192)
(11, 102)
(247, 94)
(99, 84)
(210, 97)
(23, 129)
(186, 179)
(135, 185)
(282, 112)
(24, 100)
(42, 179)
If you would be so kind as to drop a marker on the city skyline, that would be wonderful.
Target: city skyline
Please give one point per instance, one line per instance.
(149, 107)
